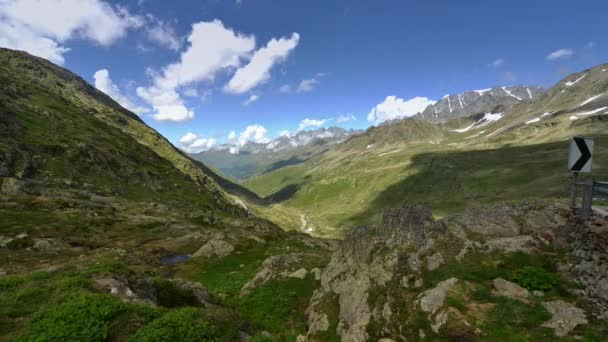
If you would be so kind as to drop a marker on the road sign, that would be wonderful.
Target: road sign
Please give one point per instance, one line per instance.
(581, 154)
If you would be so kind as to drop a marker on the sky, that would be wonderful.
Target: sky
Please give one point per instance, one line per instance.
(207, 72)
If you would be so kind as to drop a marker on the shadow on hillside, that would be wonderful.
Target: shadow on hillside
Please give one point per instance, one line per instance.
(450, 181)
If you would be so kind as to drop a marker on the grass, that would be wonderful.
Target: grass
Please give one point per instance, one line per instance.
(278, 306)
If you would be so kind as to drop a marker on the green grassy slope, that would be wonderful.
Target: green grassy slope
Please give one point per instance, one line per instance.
(411, 161)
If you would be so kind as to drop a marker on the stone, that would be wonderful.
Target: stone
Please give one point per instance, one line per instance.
(413, 261)
(200, 293)
(301, 338)
(300, 274)
(431, 300)
(117, 286)
(273, 267)
(215, 248)
(418, 283)
(565, 317)
(317, 273)
(434, 261)
(522, 243)
(12, 186)
(507, 289)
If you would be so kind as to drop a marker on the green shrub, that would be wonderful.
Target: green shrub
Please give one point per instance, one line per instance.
(184, 325)
(534, 278)
(82, 318)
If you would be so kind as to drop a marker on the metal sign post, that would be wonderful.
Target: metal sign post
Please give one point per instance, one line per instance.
(580, 161)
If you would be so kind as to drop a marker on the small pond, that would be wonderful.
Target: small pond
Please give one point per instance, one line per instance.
(174, 259)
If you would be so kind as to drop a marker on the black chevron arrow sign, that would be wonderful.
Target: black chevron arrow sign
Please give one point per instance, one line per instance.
(581, 153)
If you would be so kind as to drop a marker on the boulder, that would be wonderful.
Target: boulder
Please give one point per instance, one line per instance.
(300, 274)
(434, 261)
(565, 317)
(511, 290)
(273, 267)
(431, 300)
(12, 186)
(216, 248)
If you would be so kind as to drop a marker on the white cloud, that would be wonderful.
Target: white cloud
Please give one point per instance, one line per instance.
(212, 48)
(162, 33)
(190, 92)
(251, 100)
(307, 85)
(345, 118)
(560, 54)
(285, 88)
(257, 71)
(104, 83)
(193, 143)
(255, 133)
(497, 62)
(395, 108)
(232, 136)
(41, 27)
(306, 123)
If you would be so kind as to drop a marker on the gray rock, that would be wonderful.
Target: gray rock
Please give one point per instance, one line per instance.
(523, 243)
(511, 290)
(434, 261)
(216, 248)
(565, 317)
(431, 300)
(200, 293)
(300, 274)
(273, 267)
(12, 186)
(317, 273)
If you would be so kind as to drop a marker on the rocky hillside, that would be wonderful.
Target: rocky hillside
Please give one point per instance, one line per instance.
(494, 272)
(491, 100)
(242, 162)
(110, 230)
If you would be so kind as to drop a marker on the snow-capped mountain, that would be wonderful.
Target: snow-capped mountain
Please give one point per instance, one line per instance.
(478, 101)
(243, 161)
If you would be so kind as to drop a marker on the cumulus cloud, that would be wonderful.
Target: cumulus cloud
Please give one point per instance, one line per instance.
(257, 71)
(251, 100)
(307, 123)
(345, 118)
(285, 88)
(255, 133)
(497, 62)
(42, 27)
(104, 83)
(212, 47)
(395, 108)
(193, 143)
(560, 54)
(162, 33)
(190, 92)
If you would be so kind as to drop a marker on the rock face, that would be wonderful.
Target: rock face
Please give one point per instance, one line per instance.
(216, 248)
(589, 262)
(565, 317)
(368, 258)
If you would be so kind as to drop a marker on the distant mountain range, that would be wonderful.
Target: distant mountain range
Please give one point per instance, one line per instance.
(242, 162)
(491, 100)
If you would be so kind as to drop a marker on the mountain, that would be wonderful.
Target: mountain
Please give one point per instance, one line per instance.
(242, 162)
(500, 153)
(109, 233)
(478, 101)
(99, 214)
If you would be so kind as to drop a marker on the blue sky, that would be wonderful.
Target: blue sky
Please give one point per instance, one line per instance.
(328, 59)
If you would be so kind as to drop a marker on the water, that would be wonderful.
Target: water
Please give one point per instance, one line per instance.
(174, 259)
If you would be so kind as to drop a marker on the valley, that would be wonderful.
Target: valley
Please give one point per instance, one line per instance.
(416, 229)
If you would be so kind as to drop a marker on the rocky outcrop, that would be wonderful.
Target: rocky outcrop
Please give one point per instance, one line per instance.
(565, 317)
(507, 289)
(273, 267)
(368, 258)
(216, 248)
